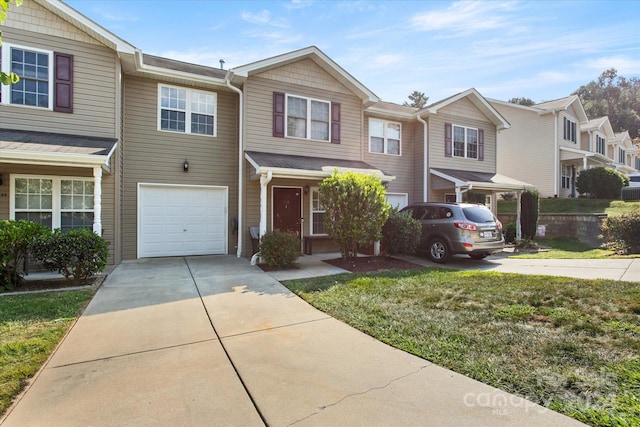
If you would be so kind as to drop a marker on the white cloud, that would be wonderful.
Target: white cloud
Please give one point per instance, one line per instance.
(263, 18)
(624, 65)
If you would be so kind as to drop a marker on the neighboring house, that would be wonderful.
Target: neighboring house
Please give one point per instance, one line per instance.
(623, 153)
(549, 143)
(165, 158)
(544, 145)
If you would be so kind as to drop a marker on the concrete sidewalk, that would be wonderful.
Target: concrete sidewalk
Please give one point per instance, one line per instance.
(215, 341)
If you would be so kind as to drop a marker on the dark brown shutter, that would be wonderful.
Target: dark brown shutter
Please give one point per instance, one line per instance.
(278, 114)
(447, 140)
(335, 123)
(480, 144)
(63, 82)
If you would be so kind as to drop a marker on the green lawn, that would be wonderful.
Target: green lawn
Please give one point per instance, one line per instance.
(571, 345)
(565, 248)
(31, 326)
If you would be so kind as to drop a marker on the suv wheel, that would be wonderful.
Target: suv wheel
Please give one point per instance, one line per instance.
(439, 251)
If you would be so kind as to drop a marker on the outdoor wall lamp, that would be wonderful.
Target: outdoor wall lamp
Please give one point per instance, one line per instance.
(306, 189)
(1, 180)
(185, 165)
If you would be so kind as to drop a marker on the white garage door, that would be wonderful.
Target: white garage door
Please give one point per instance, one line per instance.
(181, 220)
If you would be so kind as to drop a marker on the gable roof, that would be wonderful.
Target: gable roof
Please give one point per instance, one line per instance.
(601, 124)
(480, 180)
(317, 56)
(476, 99)
(563, 104)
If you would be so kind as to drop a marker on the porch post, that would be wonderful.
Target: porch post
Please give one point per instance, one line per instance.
(264, 181)
(97, 200)
(518, 213)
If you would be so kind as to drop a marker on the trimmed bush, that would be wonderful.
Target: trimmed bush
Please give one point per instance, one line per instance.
(622, 233)
(401, 233)
(15, 241)
(601, 183)
(475, 197)
(279, 250)
(77, 254)
(529, 214)
(355, 210)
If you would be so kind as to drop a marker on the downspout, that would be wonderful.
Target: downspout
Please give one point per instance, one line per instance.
(556, 155)
(227, 80)
(425, 160)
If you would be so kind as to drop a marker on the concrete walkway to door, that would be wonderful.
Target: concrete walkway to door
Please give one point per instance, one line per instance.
(215, 341)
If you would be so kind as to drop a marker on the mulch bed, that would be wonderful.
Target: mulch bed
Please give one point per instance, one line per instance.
(51, 284)
(369, 264)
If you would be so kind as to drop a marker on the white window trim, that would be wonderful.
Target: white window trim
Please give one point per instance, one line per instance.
(384, 137)
(56, 208)
(187, 110)
(311, 211)
(6, 67)
(466, 142)
(286, 117)
(565, 168)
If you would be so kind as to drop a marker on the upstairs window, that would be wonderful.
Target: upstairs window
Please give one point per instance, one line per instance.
(600, 145)
(186, 110)
(462, 141)
(384, 137)
(46, 78)
(308, 118)
(570, 130)
(621, 155)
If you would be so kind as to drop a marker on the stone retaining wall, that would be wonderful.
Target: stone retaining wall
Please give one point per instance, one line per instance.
(583, 227)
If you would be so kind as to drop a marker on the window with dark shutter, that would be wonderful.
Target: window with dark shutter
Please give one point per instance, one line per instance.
(335, 123)
(278, 114)
(447, 140)
(480, 144)
(63, 83)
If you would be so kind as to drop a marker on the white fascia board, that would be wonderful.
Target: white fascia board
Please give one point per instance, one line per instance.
(160, 71)
(53, 159)
(578, 151)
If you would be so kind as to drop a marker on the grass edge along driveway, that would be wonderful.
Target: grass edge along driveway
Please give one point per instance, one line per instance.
(568, 344)
(31, 326)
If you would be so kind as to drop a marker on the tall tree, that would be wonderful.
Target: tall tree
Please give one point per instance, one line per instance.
(418, 100)
(616, 97)
(522, 101)
(5, 78)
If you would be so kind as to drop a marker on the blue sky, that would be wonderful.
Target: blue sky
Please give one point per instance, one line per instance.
(541, 50)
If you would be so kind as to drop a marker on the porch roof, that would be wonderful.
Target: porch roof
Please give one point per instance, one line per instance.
(480, 180)
(44, 148)
(306, 167)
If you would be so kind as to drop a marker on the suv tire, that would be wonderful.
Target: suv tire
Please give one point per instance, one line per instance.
(438, 251)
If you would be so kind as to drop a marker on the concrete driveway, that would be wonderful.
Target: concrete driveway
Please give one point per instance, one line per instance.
(215, 341)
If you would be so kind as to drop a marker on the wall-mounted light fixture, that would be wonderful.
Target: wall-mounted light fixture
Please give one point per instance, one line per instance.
(306, 189)
(1, 180)
(185, 165)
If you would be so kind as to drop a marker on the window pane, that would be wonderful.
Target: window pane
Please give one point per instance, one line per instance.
(376, 128)
(72, 220)
(296, 127)
(46, 202)
(21, 185)
(377, 144)
(393, 131)
(319, 111)
(66, 202)
(318, 223)
(44, 218)
(21, 201)
(172, 120)
(320, 130)
(202, 124)
(393, 146)
(458, 134)
(296, 107)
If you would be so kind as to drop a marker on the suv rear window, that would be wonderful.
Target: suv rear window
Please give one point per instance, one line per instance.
(478, 214)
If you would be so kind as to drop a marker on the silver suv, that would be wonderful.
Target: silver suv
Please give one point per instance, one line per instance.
(457, 228)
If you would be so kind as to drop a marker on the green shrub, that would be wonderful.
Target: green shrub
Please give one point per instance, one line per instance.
(601, 183)
(509, 232)
(15, 241)
(279, 249)
(401, 233)
(622, 232)
(355, 210)
(529, 214)
(77, 254)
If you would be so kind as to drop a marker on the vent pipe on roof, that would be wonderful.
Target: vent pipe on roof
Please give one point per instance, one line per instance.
(222, 64)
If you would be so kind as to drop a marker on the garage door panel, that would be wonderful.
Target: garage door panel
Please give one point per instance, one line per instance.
(181, 220)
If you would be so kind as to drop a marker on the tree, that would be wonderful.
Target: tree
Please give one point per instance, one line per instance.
(529, 214)
(5, 78)
(522, 101)
(355, 210)
(418, 100)
(601, 183)
(616, 97)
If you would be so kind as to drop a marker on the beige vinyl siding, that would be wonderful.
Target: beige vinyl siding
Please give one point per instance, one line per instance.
(291, 79)
(461, 113)
(94, 89)
(399, 166)
(152, 156)
(526, 150)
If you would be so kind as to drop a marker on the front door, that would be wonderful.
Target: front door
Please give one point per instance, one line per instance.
(287, 209)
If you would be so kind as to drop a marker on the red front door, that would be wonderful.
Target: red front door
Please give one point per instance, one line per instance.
(287, 210)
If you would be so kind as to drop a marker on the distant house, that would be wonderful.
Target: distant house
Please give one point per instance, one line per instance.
(166, 158)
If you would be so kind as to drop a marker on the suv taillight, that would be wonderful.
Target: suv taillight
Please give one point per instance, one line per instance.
(465, 226)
